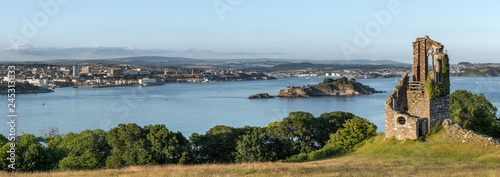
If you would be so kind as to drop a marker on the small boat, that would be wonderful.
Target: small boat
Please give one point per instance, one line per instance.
(75, 86)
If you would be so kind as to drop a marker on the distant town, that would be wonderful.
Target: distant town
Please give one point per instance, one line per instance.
(109, 75)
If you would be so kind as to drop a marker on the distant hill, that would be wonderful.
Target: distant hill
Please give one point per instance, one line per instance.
(352, 62)
(181, 61)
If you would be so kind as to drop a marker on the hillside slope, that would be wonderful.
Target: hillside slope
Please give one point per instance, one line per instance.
(442, 154)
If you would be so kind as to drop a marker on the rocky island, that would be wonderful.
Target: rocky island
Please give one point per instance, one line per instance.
(260, 95)
(329, 87)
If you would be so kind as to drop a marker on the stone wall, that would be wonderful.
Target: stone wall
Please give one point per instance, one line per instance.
(440, 110)
(455, 131)
(418, 103)
(400, 95)
(393, 129)
(394, 109)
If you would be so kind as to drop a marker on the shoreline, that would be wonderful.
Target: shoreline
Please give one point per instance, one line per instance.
(47, 90)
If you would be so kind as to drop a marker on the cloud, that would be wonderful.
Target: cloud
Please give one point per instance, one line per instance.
(26, 50)
(20, 47)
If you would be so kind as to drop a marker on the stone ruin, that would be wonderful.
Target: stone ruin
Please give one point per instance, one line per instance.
(409, 110)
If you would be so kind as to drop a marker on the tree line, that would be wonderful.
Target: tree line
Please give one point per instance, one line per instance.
(131, 144)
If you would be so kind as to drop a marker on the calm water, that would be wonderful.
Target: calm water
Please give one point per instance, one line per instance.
(196, 107)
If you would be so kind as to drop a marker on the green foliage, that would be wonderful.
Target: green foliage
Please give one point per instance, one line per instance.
(85, 150)
(298, 127)
(298, 134)
(129, 146)
(25, 86)
(474, 112)
(254, 147)
(328, 80)
(3, 140)
(434, 89)
(167, 147)
(438, 127)
(217, 145)
(343, 79)
(330, 84)
(31, 155)
(328, 123)
(355, 131)
(133, 145)
(480, 71)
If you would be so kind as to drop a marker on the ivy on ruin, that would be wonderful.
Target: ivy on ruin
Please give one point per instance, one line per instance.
(435, 89)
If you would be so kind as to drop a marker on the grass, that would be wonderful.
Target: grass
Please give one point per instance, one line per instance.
(437, 156)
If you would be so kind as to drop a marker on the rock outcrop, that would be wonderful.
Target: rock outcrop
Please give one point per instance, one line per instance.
(455, 131)
(260, 95)
(295, 92)
(329, 87)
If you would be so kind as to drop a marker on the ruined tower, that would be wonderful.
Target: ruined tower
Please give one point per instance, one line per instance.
(417, 105)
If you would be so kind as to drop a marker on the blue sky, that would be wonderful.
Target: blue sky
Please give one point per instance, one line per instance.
(291, 29)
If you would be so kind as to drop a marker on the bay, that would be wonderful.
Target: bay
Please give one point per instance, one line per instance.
(196, 107)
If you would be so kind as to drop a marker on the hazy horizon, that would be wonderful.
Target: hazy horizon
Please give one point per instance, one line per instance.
(220, 29)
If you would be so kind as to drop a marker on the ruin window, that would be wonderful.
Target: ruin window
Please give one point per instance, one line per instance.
(401, 120)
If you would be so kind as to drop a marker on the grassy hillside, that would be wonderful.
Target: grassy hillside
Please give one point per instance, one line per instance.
(439, 155)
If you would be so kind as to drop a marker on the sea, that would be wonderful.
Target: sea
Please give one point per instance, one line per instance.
(196, 107)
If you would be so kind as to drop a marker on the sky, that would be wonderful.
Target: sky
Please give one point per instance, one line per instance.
(243, 29)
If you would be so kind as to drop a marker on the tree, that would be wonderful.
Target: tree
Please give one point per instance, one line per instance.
(133, 145)
(298, 128)
(474, 112)
(31, 155)
(344, 80)
(168, 147)
(217, 145)
(85, 150)
(3, 140)
(254, 147)
(328, 80)
(129, 146)
(355, 131)
(329, 123)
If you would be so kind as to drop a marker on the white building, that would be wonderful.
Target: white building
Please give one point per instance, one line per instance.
(147, 81)
(38, 82)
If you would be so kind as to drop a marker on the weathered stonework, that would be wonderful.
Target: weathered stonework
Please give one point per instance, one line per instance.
(409, 112)
(456, 132)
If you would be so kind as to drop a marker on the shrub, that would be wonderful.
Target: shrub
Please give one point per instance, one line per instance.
(355, 131)
(474, 112)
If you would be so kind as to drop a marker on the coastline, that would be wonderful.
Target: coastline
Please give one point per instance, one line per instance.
(42, 90)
